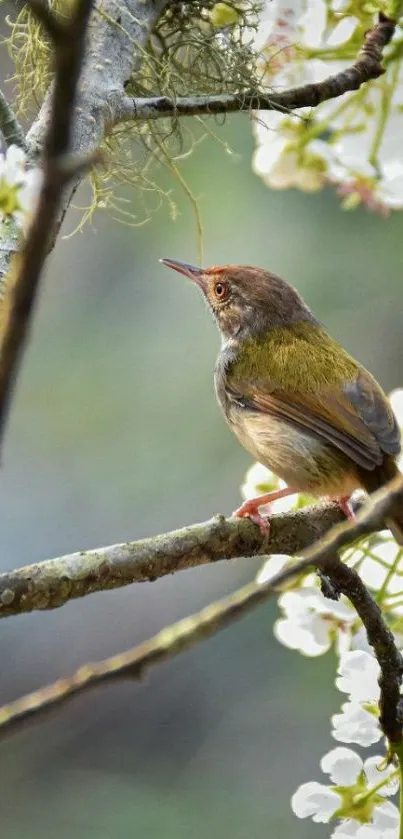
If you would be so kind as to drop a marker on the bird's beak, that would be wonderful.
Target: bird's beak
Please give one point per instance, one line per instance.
(196, 274)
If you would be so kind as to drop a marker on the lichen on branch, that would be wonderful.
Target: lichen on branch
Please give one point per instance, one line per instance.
(187, 52)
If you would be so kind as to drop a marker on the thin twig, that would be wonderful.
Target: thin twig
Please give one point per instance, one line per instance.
(190, 631)
(367, 66)
(69, 54)
(9, 125)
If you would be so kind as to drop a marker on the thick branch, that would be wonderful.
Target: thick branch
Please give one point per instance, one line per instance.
(50, 584)
(190, 631)
(367, 66)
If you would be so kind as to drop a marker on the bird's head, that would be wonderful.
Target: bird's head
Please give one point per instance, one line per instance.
(245, 301)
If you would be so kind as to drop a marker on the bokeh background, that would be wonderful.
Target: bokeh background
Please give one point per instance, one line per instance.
(115, 435)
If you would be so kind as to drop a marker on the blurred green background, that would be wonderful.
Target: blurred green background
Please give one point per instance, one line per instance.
(114, 435)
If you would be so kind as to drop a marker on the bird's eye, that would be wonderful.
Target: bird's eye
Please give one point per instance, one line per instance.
(221, 290)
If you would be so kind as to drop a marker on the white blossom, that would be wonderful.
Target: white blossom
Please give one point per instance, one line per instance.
(19, 187)
(358, 721)
(358, 676)
(316, 800)
(374, 558)
(354, 798)
(342, 765)
(312, 622)
(343, 30)
(12, 165)
(356, 724)
(374, 774)
(272, 566)
(258, 480)
(312, 23)
(360, 641)
(277, 30)
(384, 825)
(27, 197)
(351, 144)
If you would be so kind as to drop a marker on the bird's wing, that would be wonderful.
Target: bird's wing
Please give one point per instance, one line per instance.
(355, 418)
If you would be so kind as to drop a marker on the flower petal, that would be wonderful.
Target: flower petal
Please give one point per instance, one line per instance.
(374, 775)
(346, 829)
(292, 635)
(386, 816)
(358, 676)
(343, 766)
(316, 800)
(272, 566)
(356, 725)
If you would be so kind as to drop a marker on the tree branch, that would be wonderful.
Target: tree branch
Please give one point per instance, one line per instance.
(116, 40)
(190, 631)
(68, 58)
(367, 66)
(348, 582)
(9, 125)
(99, 108)
(51, 584)
(111, 60)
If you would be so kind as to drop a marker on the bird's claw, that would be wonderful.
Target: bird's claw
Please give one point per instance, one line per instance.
(248, 510)
(345, 506)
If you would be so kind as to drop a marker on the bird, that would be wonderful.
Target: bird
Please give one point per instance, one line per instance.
(293, 396)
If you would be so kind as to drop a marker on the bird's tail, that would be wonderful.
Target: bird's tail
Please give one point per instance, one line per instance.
(378, 478)
(395, 525)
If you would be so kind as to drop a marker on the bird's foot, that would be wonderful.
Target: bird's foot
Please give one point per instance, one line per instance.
(345, 506)
(250, 509)
(261, 521)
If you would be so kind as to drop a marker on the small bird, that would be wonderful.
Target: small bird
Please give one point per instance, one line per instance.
(295, 399)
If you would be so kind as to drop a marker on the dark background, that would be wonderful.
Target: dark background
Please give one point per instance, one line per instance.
(114, 435)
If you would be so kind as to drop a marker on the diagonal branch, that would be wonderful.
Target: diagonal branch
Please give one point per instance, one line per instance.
(69, 43)
(346, 581)
(190, 631)
(367, 66)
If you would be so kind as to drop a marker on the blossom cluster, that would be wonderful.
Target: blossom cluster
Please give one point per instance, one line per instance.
(311, 623)
(19, 187)
(351, 142)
